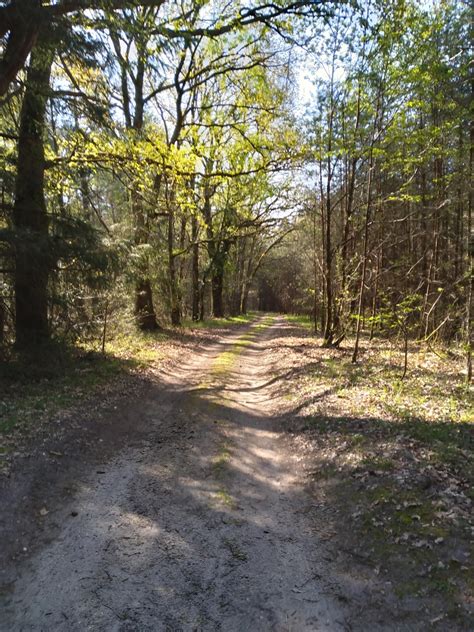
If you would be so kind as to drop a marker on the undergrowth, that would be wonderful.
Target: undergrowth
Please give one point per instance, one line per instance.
(395, 460)
(219, 323)
(53, 377)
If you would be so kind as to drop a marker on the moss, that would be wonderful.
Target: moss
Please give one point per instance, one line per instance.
(378, 463)
(357, 440)
(382, 493)
(220, 462)
(225, 498)
(235, 550)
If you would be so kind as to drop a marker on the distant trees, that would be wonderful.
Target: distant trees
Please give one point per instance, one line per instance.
(137, 152)
(390, 155)
(150, 162)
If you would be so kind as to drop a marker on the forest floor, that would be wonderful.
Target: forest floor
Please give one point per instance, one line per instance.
(238, 478)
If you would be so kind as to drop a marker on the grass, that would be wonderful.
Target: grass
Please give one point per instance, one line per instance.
(226, 360)
(434, 390)
(55, 377)
(395, 460)
(301, 319)
(141, 349)
(220, 323)
(402, 529)
(226, 499)
(401, 491)
(377, 463)
(220, 462)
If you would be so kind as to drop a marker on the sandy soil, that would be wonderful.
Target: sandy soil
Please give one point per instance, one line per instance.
(183, 510)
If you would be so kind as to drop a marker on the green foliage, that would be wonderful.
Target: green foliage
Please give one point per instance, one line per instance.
(400, 316)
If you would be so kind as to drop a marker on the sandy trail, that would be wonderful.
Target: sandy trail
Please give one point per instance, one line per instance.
(202, 524)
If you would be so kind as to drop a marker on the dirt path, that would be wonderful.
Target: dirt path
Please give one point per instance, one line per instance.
(201, 524)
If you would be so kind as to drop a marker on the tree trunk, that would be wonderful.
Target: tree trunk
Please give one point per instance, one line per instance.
(374, 297)
(217, 292)
(360, 303)
(2, 321)
(30, 219)
(202, 300)
(245, 300)
(328, 326)
(217, 278)
(195, 269)
(315, 273)
(144, 310)
(470, 253)
(175, 307)
(351, 173)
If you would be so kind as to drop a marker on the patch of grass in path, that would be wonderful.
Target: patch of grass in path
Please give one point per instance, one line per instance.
(226, 360)
(221, 460)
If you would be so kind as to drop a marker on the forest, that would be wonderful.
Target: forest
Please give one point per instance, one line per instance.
(200, 196)
(161, 163)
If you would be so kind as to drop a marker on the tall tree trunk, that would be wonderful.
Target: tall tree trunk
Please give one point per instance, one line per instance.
(244, 300)
(217, 292)
(195, 269)
(324, 313)
(217, 285)
(360, 302)
(2, 321)
(315, 272)
(328, 328)
(470, 249)
(144, 308)
(202, 300)
(175, 307)
(217, 278)
(374, 297)
(30, 219)
(247, 278)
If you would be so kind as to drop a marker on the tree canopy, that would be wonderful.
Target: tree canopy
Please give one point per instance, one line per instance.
(164, 160)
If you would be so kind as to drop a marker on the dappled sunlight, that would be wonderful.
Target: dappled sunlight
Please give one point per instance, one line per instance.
(210, 511)
(236, 308)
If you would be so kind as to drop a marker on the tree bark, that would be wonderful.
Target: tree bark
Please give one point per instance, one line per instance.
(144, 308)
(217, 282)
(195, 269)
(470, 250)
(30, 218)
(360, 302)
(175, 307)
(217, 291)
